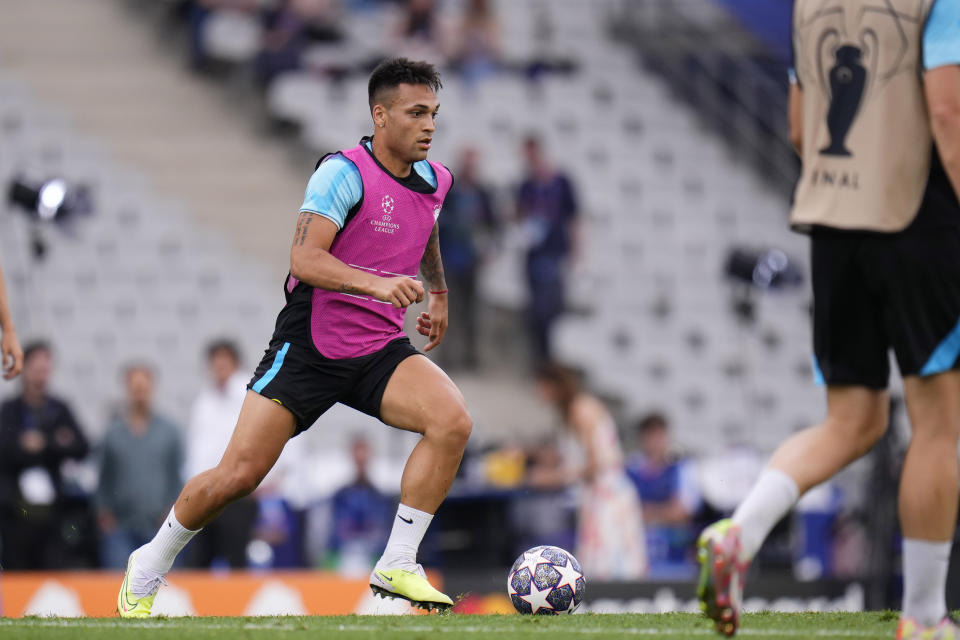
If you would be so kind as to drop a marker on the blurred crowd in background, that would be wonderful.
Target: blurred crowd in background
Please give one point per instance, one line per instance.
(629, 511)
(278, 36)
(49, 520)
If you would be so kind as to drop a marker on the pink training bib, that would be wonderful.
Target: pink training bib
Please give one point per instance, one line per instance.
(386, 237)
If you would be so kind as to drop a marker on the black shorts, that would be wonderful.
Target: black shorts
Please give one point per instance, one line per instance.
(308, 384)
(875, 291)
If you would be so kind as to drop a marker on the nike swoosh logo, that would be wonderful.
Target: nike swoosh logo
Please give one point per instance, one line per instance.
(126, 596)
(388, 579)
(410, 521)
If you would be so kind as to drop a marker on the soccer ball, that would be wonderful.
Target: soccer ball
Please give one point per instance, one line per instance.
(546, 581)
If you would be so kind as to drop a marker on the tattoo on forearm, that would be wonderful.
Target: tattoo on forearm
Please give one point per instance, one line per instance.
(347, 287)
(303, 223)
(431, 265)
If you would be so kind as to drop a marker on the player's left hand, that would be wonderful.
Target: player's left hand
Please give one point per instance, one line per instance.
(433, 322)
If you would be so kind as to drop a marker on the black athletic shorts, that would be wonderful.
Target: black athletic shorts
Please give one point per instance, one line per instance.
(307, 384)
(874, 291)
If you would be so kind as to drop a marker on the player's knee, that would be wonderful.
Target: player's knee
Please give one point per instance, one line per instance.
(462, 427)
(858, 425)
(453, 427)
(242, 481)
(867, 429)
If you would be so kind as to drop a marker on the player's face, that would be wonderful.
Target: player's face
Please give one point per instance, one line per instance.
(409, 121)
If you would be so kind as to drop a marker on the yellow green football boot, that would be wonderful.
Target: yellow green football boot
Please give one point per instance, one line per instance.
(133, 606)
(720, 589)
(409, 585)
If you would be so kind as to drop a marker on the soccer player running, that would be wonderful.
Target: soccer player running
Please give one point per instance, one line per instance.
(368, 221)
(875, 115)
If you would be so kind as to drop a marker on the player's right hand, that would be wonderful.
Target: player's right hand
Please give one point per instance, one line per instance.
(401, 292)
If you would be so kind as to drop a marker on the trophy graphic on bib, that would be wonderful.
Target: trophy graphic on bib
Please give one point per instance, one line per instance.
(847, 80)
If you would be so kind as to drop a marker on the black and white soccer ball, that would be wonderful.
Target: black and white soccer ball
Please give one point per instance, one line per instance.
(546, 581)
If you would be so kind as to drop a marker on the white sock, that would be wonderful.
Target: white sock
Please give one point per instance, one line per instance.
(408, 529)
(769, 500)
(925, 580)
(158, 554)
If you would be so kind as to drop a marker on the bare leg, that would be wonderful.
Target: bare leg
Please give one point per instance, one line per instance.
(856, 419)
(928, 485)
(262, 430)
(928, 495)
(421, 398)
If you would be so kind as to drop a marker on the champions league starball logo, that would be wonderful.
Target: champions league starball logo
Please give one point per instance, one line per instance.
(848, 63)
(385, 224)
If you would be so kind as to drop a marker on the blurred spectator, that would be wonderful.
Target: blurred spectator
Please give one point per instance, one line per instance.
(213, 23)
(140, 462)
(547, 209)
(11, 355)
(212, 420)
(548, 515)
(550, 54)
(361, 517)
(510, 466)
(668, 489)
(37, 434)
(294, 26)
(467, 226)
(419, 34)
(610, 538)
(477, 42)
(546, 468)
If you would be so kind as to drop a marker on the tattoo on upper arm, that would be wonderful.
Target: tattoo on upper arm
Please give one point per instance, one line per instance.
(306, 226)
(303, 223)
(431, 265)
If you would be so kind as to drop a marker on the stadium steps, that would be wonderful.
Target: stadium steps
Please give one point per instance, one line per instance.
(124, 89)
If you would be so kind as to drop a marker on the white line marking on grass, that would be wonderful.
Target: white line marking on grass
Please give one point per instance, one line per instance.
(186, 622)
(158, 623)
(699, 631)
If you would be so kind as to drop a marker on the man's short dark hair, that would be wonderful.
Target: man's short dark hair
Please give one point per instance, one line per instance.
(35, 347)
(393, 72)
(225, 345)
(652, 421)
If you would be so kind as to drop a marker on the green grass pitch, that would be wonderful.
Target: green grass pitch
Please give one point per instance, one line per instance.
(779, 626)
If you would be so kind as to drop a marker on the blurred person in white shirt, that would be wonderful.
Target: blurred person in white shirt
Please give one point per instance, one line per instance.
(212, 419)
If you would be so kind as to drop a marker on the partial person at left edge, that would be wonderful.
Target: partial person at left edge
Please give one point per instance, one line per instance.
(11, 355)
(38, 432)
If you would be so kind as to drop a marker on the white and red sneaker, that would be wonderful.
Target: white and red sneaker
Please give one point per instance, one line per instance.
(910, 629)
(720, 589)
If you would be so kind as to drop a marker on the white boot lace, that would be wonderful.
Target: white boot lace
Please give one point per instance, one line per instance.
(146, 584)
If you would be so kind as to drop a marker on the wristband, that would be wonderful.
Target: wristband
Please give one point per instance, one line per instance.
(437, 293)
